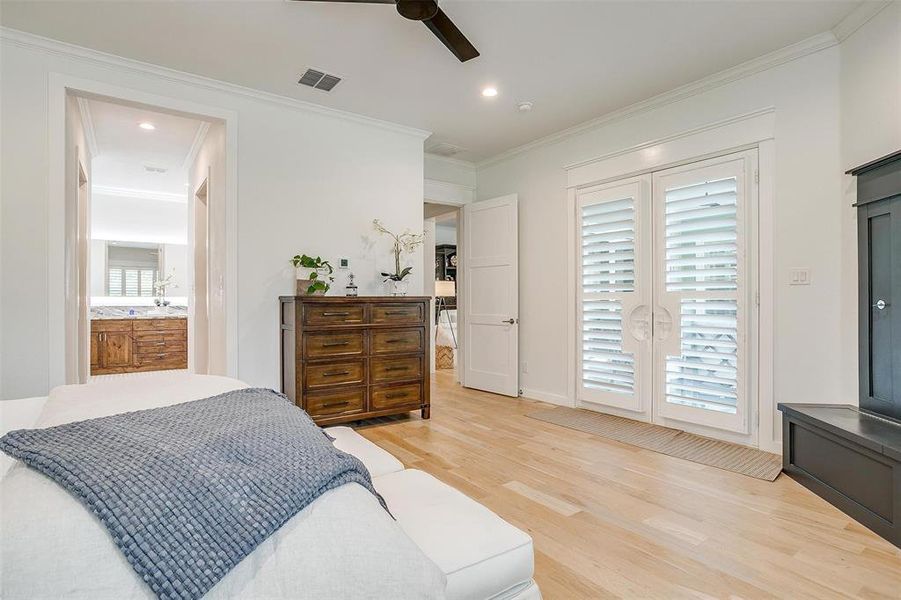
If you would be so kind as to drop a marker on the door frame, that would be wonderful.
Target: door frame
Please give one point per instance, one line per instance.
(754, 130)
(61, 326)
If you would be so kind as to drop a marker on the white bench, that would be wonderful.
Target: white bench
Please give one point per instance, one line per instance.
(482, 555)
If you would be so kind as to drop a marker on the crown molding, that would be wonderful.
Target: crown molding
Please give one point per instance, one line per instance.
(35, 42)
(459, 162)
(857, 18)
(199, 136)
(109, 190)
(790, 53)
(87, 123)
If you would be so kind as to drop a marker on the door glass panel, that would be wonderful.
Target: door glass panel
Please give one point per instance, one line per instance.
(704, 376)
(701, 235)
(608, 270)
(604, 364)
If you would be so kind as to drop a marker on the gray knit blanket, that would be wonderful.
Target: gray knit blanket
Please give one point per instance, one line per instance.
(187, 491)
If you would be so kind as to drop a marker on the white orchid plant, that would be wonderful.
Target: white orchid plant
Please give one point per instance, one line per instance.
(404, 243)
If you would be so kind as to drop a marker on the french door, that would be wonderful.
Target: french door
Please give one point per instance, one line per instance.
(666, 282)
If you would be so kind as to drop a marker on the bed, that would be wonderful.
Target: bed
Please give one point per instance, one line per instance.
(439, 544)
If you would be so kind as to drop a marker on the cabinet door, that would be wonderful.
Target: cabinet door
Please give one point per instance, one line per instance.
(95, 350)
(880, 271)
(116, 350)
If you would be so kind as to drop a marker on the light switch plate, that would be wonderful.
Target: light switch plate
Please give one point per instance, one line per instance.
(343, 263)
(799, 277)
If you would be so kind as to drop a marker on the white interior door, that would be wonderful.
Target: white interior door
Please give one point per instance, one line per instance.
(614, 293)
(704, 278)
(491, 295)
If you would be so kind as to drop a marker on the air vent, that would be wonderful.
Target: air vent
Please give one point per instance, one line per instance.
(157, 170)
(445, 149)
(319, 80)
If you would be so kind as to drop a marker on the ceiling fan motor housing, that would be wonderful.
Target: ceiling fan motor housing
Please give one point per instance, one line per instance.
(417, 10)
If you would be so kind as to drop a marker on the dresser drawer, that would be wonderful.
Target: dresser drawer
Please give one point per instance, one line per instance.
(335, 402)
(343, 314)
(402, 314)
(396, 341)
(111, 325)
(387, 370)
(336, 373)
(166, 335)
(158, 324)
(320, 345)
(382, 398)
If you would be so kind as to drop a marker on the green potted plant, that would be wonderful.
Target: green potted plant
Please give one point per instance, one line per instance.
(314, 275)
(404, 243)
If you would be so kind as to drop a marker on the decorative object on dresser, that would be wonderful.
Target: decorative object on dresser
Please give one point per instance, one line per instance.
(312, 274)
(852, 456)
(404, 243)
(133, 345)
(346, 359)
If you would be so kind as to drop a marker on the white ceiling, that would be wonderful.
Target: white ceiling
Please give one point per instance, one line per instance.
(573, 60)
(124, 149)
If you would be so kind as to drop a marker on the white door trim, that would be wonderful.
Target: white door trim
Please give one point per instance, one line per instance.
(744, 132)
(58, 326)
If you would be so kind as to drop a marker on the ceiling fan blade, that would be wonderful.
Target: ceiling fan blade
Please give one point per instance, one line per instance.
(445, 30)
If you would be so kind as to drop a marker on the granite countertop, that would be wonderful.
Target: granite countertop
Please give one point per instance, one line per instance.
(100, 313)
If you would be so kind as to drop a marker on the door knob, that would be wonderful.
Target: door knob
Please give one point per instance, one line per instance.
(509, 321)
(880, 304)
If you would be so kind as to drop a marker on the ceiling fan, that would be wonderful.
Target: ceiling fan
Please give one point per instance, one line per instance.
(434, 18)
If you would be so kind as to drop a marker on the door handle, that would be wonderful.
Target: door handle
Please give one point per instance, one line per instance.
(509, 321)
(881, 304)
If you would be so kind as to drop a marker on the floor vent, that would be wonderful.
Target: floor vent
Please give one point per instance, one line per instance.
(319, 80)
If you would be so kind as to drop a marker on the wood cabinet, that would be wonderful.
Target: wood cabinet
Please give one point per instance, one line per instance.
(131, 345)
(345, 359)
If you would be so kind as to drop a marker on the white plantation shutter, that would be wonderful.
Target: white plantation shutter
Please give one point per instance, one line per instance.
(703, 288)
(607, 251)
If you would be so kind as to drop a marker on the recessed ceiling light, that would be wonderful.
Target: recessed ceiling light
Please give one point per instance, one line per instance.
(489, 92)
(524, 106)
(147, 126)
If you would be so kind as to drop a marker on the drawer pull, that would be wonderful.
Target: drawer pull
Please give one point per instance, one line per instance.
(335, 373)
(396, 395)
(396, 368)
(333, 344)
(393, 341)
(335, 314)
(161, 356)
(392, 313)
(334, 404)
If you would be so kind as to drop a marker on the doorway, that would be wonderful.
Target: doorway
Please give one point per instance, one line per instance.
(666, 280)
(146, 253)
(442, 229)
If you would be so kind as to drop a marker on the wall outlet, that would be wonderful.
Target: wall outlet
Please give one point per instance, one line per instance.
(525, 367)
(799, 277)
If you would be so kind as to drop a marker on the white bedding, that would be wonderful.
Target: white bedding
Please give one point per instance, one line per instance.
(343, 545)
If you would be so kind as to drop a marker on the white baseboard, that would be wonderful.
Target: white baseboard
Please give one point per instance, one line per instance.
(549, 397)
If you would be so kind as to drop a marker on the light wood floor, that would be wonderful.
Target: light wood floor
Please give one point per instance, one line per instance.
(615, 521)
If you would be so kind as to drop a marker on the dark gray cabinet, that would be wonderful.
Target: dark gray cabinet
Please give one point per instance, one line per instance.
(879, 255)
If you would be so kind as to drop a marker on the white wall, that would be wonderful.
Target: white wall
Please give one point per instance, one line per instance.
(446, 233)
(98, 267)
(870, 128)
(308, 180)
(450, 170)
(175, 262)
(128, 219)
(810, 364)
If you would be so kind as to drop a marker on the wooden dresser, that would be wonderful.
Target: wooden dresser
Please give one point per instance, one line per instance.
(133, 345)
(345, 359)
